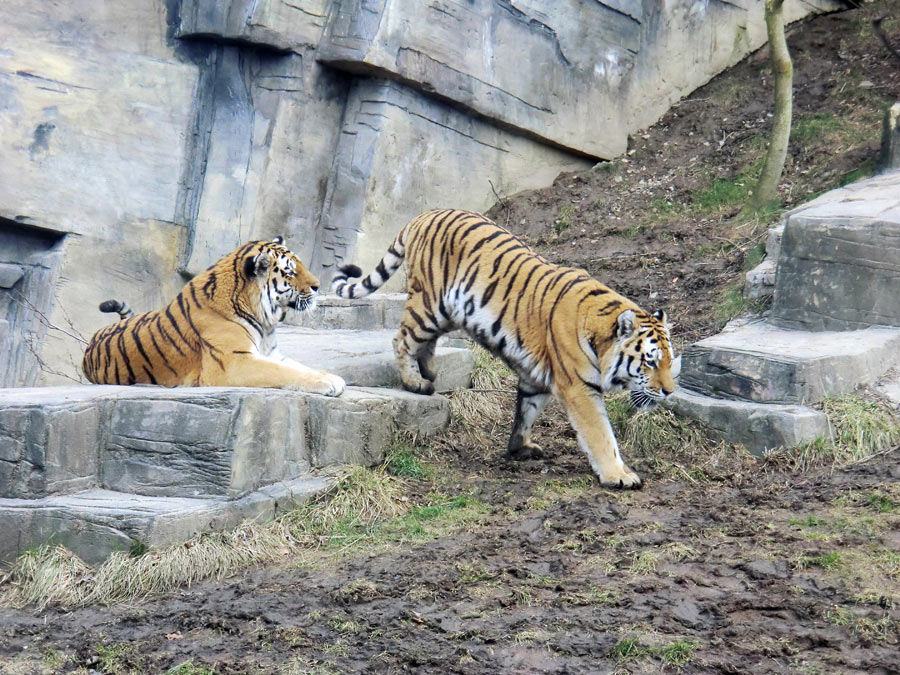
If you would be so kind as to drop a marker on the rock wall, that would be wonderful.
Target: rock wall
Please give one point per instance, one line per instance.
(143, 139)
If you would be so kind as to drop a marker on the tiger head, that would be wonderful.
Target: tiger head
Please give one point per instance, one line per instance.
(642, 359)
(283, 280)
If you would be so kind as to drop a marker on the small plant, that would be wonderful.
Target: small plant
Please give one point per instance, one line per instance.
(339, 648)
(401, 461)
(113, 658)
(644, 562)
(677, 653)
(880, 503)
(188, 668)
(720, 193)
(344, 625)
(627, 648)
(809, 521)
(564, 221)
(827, 561)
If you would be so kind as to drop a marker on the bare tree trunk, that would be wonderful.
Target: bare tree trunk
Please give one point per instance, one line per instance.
(766, 189)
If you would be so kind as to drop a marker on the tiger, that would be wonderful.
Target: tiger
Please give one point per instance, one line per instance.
(218, 331)
(562, 332)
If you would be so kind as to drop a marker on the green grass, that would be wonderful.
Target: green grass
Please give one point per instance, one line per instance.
(880, 503)
(808, 129)
(188, 668)
(564, 220)
(733, 303)
(676, 653)
(864, 171)
(401, 461)
(754, 256)
(722, 192)
(827, 561)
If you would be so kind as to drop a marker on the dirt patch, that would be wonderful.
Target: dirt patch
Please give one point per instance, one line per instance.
(721, 564)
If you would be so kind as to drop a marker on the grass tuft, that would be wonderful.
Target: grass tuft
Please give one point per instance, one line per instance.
(861, 427)
(673, 446)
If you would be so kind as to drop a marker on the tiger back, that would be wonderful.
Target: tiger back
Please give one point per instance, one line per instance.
(218, 331)
(562, 332)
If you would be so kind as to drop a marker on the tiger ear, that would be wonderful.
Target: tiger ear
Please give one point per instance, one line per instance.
(661, 316)
(255, 265)
(625, 324)
(278, 240)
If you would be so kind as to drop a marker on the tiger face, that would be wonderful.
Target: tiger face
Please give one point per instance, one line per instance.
(643, 358)
(286, 283)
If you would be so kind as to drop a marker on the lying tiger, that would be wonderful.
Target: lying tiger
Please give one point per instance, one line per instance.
(561, 331)
(219, 330)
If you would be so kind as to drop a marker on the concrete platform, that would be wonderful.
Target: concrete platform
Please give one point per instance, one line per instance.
(365, 358)
(94, 523)
(99, 468)
(762, 363)
(757, 426)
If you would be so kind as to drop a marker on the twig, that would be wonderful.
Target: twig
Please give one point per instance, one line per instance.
(879, 31)
(44, 320)
(877, 454)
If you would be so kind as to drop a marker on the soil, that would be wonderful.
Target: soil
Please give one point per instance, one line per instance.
(747, 568)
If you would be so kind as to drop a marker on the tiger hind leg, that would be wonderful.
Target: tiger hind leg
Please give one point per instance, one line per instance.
(414, 346)
(529, 404)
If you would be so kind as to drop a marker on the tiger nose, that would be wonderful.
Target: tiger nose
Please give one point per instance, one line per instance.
(666, 392)
(314, 289)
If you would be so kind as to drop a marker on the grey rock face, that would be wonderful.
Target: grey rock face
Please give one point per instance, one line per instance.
(840, 259)
(830, 330)
(625, 59)
(760, 281)
(400, 154)
(381, 311)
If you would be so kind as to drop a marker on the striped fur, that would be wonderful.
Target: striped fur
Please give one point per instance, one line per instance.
(219, 330)
(561, 331)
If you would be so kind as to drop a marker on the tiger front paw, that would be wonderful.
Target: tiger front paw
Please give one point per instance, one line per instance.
(333, 384)
(624, 480)
(420, 386)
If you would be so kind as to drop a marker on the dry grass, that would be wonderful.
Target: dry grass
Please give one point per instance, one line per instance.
(861, 427)
(478, 415)
(672, 446)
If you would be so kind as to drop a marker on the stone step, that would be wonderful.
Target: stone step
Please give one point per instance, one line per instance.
(193, 442)
(365, 358)
(840, 259)
(757, 426)
(379, 311)
(94, 523)
(762, 363)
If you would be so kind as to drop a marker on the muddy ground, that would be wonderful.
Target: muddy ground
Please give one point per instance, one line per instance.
(745, 570)
(722, 563)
